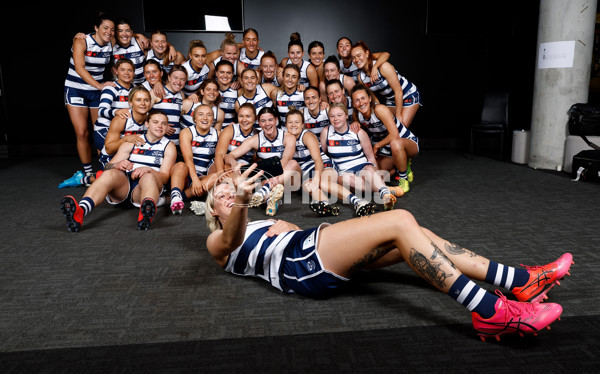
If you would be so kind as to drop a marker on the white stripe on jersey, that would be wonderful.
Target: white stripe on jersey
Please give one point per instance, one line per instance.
(170, 105)
(227, 104)
(149, 154)
(203, 149)
(253, 63)
(259, 256)
(97, 57)
(237, 139)
(187, 119)
(345, 149)
(195, 78)
(352, 71)
(152, 56)
(135, 53)
(296, 99)
(268, 148)
(381, 86)
(131, 128)
(316, 124)
(111, 99)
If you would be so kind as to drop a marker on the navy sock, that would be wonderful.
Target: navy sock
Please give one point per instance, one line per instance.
(87, 205)
(506, 276)
(353, 199)
(473, 297)
(87, 168)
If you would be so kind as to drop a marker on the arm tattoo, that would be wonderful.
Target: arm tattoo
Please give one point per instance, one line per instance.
(430, 269)
(109, 166)
(370, 257)
(456, 250)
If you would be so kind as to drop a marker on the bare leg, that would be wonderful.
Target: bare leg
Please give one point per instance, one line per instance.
(149, 186)
(408, 114)
(351, 245)
(113, 183)
(79, 119)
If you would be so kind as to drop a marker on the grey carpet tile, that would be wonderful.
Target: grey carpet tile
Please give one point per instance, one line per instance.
(111, 285)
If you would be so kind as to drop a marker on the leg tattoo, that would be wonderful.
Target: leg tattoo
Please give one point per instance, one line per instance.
(371, 257)
(430, 269)
(456, 250)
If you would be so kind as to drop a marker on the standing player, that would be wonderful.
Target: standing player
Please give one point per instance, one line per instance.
(84, 82)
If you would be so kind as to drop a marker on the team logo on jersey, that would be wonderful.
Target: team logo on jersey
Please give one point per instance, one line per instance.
(310, 265)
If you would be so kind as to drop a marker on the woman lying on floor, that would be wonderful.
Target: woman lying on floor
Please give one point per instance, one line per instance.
(318, 261)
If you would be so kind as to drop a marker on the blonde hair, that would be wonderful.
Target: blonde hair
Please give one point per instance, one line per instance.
(212, 221)
(229, 40)
(339, 106)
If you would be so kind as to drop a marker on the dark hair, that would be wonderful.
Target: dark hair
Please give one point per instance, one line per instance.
(175, 68)
(248, 105)
(203, 85)
(223, 62)
(248, 30)
(122, 61)
(295, 40)
(267, 110)
(155, 112)
(332, 82)
(362, 87)
(122, 21)
(196, 44)
(314, 44)
(331, 59)
(313, 88)
(340, 39)
(101, 17)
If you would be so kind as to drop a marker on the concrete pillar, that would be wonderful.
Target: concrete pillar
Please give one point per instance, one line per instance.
(556, 89)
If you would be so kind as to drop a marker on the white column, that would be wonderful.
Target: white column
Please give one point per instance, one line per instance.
(557, 88)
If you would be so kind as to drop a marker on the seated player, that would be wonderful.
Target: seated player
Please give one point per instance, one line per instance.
(191, 177)
(136, 173)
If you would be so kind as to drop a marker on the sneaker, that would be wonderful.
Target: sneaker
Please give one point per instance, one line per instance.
(403, 183)
(147, 211)
(177, 206)
(274, 200)
(389, 201)
(324, 209)
(393, 181)
(364, 208)
(514, 317)
(256, 200)
(396, 190)
(74, 181)
(543, 278)
(161, 201)
(409, 173)
(73, 212)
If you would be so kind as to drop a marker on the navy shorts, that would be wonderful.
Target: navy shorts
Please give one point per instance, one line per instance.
(412, 99)
(82, 98)
(302, 271)
(100, 137)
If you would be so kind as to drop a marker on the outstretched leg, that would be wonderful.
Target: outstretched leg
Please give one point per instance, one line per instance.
(351, 245)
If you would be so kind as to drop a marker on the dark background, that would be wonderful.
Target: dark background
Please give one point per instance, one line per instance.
(454, 51)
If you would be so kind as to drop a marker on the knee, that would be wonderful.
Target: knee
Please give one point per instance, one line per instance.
(403, 219)
(397, 146)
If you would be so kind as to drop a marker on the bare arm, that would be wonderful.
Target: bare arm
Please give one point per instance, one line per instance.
(365, 143)
(246, 146)
(222, 145)
(385, 115)
(221, 243)
(289, 142)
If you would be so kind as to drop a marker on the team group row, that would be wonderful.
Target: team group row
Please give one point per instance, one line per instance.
(226, 80)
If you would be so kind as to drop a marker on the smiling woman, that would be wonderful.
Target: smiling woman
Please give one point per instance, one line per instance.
(83, 85)
(137, 172)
